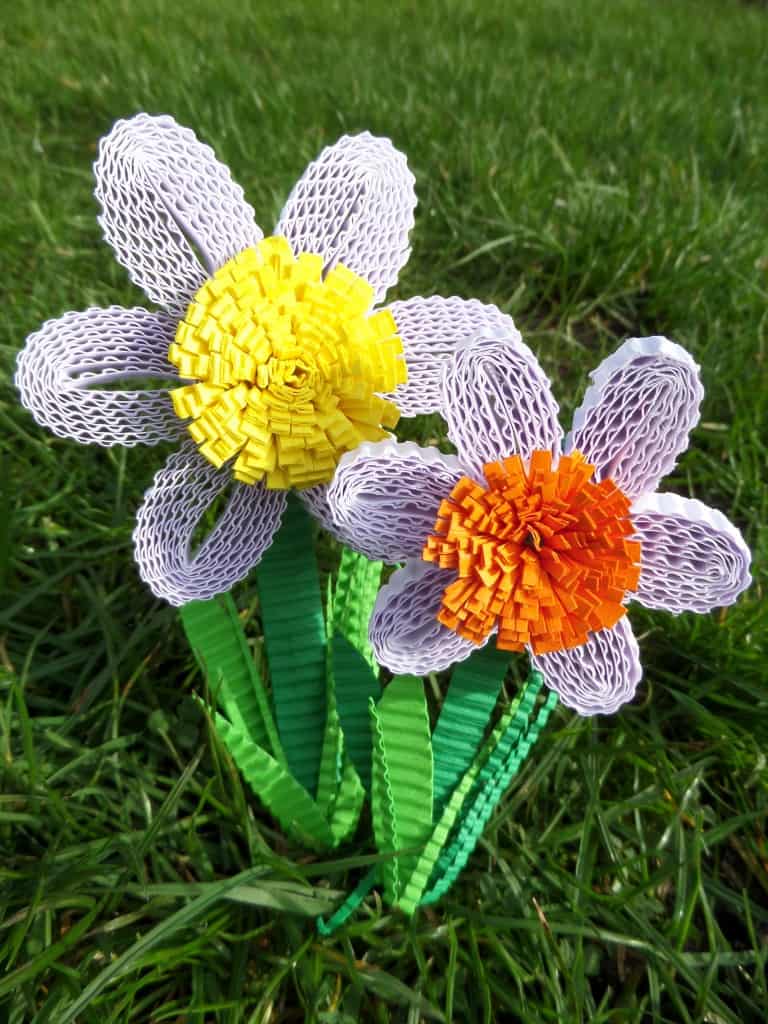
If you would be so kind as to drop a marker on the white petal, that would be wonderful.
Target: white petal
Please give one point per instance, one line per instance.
(171, 211)
(173, 507)
(432, 330)
(637, 414)
(404, 632)
(354, 205)
(498, 402)
(384, 497)
(692, 558)
(598, 677)
(60, 368)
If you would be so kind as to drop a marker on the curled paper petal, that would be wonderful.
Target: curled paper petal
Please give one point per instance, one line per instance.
(432, 330)
(354, 205)
(315, 500)
(637, 413)
(598, 677)
(497, 402)
(385, 497)
(62, 365)
(167, 204)
(693, 559)
(404, 631)
(172, 508)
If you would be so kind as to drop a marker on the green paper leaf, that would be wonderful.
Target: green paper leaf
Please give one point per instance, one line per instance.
(294, 635)
(354, 684)
(347, 804)
(490, 785)
(283, 796)
(405, 748)
(354, 595)
(467, 708)
(411, 895)
(383, 808)
(216, 636)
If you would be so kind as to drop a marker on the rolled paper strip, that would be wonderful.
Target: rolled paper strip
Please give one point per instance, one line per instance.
(404, 631)
(432, 329)
(386, 495)
(63, 367)
(638, 412)
(165, 198)
(693, 558)
(598, 677)
(288, 364)
(497, 402)
(171, 512)
(354, 205)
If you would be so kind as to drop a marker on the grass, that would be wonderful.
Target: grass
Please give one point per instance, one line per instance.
(598, 171)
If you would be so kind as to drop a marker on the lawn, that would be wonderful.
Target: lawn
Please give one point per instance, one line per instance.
(598, 171)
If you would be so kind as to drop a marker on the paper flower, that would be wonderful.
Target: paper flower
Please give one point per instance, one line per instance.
(280, 363)
(539, 542)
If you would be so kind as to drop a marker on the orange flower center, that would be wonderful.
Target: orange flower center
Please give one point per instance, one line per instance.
(541, 553)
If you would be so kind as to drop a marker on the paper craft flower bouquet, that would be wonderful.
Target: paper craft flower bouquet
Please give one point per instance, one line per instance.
(288, 377)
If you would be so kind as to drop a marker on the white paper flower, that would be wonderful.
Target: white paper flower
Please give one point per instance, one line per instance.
(182, 228)
(522, 537)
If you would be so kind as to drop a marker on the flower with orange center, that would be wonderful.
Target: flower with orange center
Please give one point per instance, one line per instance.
(542, 553)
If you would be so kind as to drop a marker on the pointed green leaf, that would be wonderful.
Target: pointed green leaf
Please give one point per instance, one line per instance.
(466, 711)
(355, 591)
(280, 793)
(216, 636)
(490, 785)
(294, 635)
(406, 749)
(354, 684)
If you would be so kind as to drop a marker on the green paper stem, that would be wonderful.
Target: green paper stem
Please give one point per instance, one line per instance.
(342, 914)
(493, 780)
(469, 702)
(383, 808)
(355, 685)
(294, 634)
(216, 636)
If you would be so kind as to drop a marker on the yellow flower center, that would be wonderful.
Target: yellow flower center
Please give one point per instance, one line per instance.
(543, 554)
(287, 365)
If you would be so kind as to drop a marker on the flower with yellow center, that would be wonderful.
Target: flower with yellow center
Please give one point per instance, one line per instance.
(287, 364)
(543, 554)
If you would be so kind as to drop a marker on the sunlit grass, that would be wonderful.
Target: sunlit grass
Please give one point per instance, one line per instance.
(598, 171)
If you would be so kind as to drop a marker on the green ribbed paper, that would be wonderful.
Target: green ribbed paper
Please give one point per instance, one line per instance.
(490, 785)
(471, 697)
(216, 636)
(294, 634)
(405, 748)
(355, 686)
(284, 797)
(354, 595)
